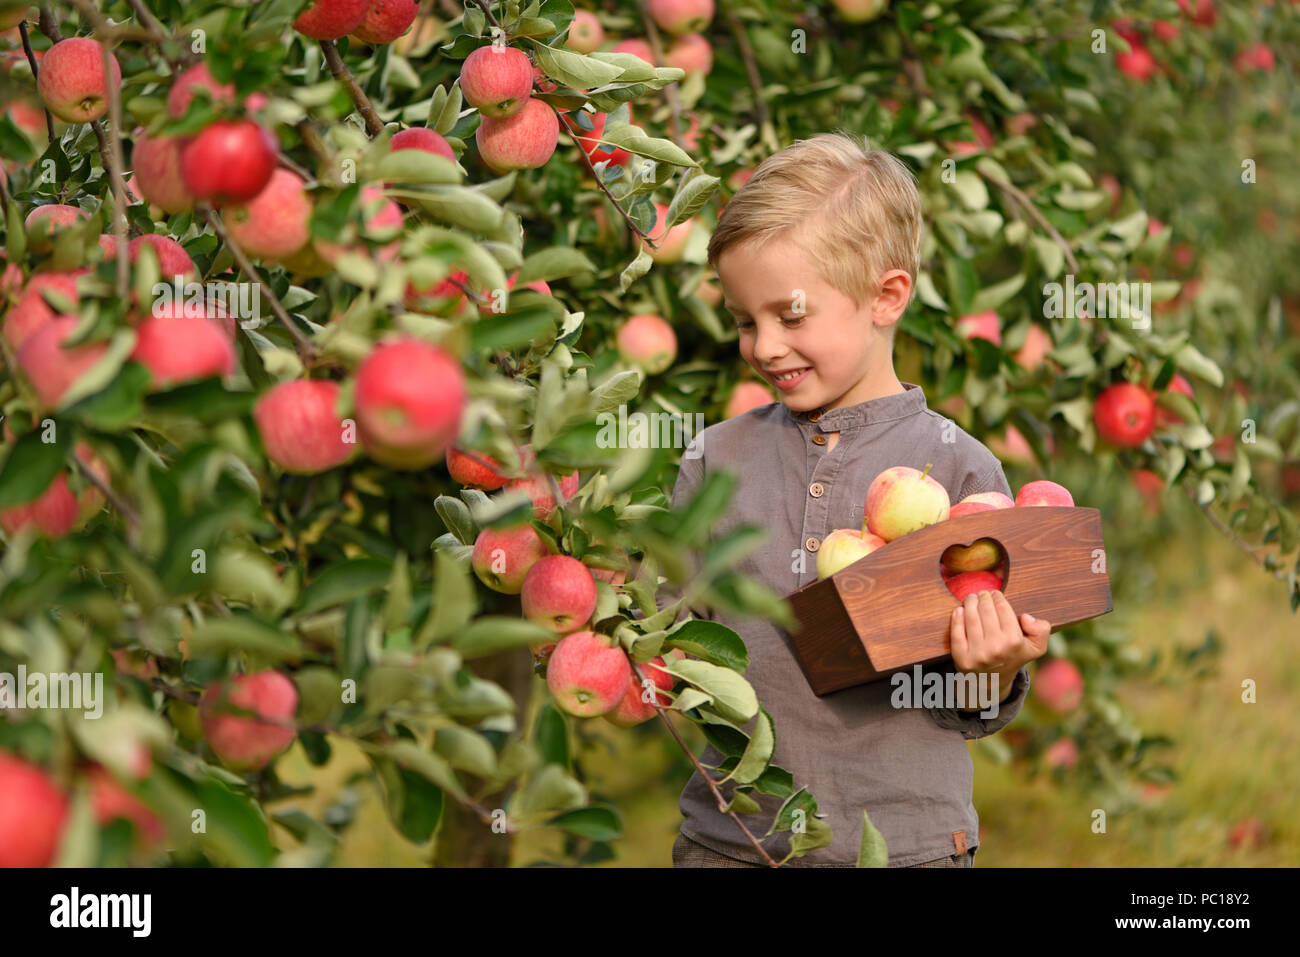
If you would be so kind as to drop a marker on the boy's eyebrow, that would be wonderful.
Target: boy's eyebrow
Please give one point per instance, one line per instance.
(775, 304)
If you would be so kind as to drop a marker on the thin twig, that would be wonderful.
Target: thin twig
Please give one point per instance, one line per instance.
(31, 59)
(1028, 204)
(1232, 536)
(305, 349)
(338, 69)
(699, 769)
(107, 491)
(487, 11)
(573, 134)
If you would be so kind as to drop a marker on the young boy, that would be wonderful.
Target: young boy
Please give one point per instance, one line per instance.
(818, 255)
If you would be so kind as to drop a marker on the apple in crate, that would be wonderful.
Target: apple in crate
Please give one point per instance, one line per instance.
(903, 499)
(982, 556)
(971, 583)
(843, 547)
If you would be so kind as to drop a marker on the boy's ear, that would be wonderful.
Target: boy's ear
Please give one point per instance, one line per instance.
(893, 295)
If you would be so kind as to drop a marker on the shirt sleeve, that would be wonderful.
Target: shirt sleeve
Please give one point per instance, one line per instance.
(971, 725)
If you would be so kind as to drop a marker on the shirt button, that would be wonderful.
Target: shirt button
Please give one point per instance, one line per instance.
(811, 544)
(814, 416)
(819, 439)
(817, 490)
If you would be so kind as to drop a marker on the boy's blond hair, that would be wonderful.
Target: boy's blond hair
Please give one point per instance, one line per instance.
(872, 220)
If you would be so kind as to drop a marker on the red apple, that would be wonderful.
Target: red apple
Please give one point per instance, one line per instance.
(903, 499)
(1258, 57)
(173, 260)
(410, 396)
(982, 325)
(177, 348)
(525, 140)
(53, 512)
(1165, 30)
(1062, 754)
(1059, 685)
(632, 709)
(300, 426)
(647, 342)
(1204, 15)
(72, 81)
(229, 161)
(1125, 415)
(1248, 832)
(842, 547)
(44, 222)
(381, 220)
(440, 297)
(274, 224)
(248, 743)
(996, 499)
(331, 19)
(110, 801)
(672, 244)
(32, 814)
(386, 20)
(502, 557)
(558, 593)
(1151, 487)
(539, 489)
(1137, 63)
(32, 311)
(49, 367)
(1043, 492)
(588, 674)
(157, 163)
(972, 583)
(970, 508)
(1165, 417)
(691, 53)
(585, 33)
(474, 469)
(497, 80)
(747, 395)
(199, 77)
(1037, 345)
(421, 138)
(682, 16)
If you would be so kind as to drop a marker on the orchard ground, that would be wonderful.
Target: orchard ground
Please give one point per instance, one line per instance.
(1203, 584)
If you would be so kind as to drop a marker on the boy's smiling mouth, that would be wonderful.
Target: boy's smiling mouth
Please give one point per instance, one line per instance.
(789, 378)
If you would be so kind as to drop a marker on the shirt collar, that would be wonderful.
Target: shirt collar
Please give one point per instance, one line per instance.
(899, 405)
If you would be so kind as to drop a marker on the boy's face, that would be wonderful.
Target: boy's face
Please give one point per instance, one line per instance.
(789, 319)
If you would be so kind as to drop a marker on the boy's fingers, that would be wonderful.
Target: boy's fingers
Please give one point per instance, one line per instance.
(989, 615)
(974, 626)
(960, 646)
(1006, 614)
(1037, 630)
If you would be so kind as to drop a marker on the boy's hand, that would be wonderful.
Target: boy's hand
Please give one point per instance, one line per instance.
(986, 636)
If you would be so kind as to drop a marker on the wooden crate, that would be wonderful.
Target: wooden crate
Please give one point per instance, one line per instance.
(891, 610)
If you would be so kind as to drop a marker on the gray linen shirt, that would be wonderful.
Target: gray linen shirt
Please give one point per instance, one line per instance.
(909, 768)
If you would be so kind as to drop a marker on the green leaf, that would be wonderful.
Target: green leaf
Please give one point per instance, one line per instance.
(343, 581)
(593, 823)
(554, 262)
(574, 69)
(996, 295)
(511, 330)
(690, 198)
(871, 850)
(551, 735)
(495, 633)
(431, 767)
(453, 603)
(456, 516)
(549, 789)
(962, 283)
(758, 754)
(32, 465)
(242, 632)
(466, 750)
(1198, 364)
(711, 641)
(415, 166)
(617, 390)
(634, 270)
(733, 696)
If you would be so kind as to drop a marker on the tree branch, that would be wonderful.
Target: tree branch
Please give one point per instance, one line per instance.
(1037, 215)
(31, 59)
(305, 349)
(339, 70)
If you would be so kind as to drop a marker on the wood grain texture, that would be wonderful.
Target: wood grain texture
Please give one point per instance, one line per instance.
(891, 609)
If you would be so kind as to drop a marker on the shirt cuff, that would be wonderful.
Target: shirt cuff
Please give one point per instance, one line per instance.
(971, 725)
